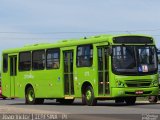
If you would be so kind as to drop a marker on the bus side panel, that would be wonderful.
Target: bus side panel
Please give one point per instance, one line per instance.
(85, 75)
(46, 83)
(6, 89)
(50, 84)
(20, 85)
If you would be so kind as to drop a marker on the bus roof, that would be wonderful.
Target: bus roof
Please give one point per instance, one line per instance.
(72, 42)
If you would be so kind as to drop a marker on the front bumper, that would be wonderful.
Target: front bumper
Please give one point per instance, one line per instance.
(124, 92)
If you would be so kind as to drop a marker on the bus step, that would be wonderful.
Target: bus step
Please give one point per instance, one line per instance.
(68, 97)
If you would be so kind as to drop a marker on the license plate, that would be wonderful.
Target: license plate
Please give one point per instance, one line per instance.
(139, 92)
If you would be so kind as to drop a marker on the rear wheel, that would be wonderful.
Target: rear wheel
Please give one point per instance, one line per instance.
(83, 99)
(30, 97)
(130, 100)
(153, 99)
(89, 97)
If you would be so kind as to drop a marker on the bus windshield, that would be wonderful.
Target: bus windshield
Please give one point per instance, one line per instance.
(134, 59)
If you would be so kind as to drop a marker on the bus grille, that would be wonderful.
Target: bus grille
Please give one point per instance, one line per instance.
(135, 83)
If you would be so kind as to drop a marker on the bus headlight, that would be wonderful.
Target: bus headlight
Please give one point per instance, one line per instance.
(120, 84)
(154, 83)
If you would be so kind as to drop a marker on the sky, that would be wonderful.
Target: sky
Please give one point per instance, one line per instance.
(24, 22)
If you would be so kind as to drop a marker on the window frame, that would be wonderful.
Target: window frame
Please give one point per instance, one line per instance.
(91, 61)
(39, 60)
(30, 61)
(5, 68)
(54, 50)
(137, 62)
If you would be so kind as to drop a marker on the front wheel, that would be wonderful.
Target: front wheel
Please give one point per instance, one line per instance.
(89, 98)
(83, 99)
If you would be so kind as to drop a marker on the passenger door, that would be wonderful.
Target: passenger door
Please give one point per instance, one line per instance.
(13, 74)
(103, 70)
(68, 72)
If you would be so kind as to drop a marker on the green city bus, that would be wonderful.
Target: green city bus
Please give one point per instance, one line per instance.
(104, 67)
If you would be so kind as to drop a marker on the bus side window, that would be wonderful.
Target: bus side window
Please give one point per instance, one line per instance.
(38, 60)
(84, 56)
(25, 61)
(5, 63)
(53, 58)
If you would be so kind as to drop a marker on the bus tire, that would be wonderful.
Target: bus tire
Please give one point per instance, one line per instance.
(30, 96)
(89, 96)
(153, 99)
(83, 99)
(130, 100)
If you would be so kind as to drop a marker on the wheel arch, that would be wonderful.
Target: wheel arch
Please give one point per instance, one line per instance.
(27, 86)
(85, 85)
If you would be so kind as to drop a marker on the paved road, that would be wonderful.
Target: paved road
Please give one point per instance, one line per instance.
(104, 110)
